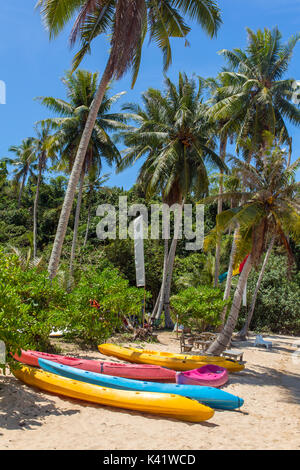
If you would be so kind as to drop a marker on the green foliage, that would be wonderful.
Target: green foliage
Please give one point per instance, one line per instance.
(116, 300)
(30, 306)
(278, 301)
(199, 307)
(3, 172)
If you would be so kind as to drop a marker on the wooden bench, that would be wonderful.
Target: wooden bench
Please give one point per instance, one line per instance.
(233, 354)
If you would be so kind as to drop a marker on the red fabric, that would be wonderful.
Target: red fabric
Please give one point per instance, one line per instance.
(94, 303)
(243, 264)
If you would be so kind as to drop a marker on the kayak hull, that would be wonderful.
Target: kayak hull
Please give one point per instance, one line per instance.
(209, 375)
(178, 362)
(208, 396)
(130, 371)
(171, 406)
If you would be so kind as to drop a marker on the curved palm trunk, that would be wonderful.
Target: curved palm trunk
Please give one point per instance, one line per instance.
(160, 303)
(76, 172)
(169, 272)
(224, 337)
(244, 331)
(163, 284)
(76, 223)
(229, 275)
(166, 301)
(154, 311)
(21, 190)
(223, 145)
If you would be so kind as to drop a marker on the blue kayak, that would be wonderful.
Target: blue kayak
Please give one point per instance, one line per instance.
(210, 396)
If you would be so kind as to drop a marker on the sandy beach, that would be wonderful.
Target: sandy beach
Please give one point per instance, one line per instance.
(269, 419)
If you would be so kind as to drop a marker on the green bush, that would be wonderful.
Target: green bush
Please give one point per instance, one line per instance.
(116, 300)
(30, 306)
(199, 307)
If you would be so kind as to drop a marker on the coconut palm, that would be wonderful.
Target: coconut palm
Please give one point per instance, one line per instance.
(256, 97)
(23, 164)
(176, 138)
(81, 89)
(244, 331)
(271, 206)
(128, 21)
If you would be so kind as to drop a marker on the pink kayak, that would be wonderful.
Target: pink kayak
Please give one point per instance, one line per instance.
(128, 371)
(209, 375)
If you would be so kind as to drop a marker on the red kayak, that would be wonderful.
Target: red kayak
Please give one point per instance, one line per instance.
(128, 371)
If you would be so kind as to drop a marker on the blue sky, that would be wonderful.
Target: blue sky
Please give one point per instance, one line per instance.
(32, 66)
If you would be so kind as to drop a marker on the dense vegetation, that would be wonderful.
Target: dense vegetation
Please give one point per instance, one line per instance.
(52, 262)
(105, 271)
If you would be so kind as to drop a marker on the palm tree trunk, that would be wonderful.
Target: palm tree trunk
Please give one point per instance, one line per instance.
(229, 275)
(244, 331)
(169, 272)
(160, 301)
(163, 284)
(76, 172)
(154, 311)
(21, 190)
(76, 223)
(166, 301)
(35, 206)
(223, 145)
(224, 337)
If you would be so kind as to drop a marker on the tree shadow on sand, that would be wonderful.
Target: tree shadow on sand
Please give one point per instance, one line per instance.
(22, 407)
(262, 376)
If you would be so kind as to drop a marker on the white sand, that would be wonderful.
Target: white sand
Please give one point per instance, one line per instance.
(269, 419)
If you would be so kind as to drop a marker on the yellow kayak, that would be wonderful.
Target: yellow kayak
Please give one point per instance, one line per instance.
(168, 405)
(179, 362)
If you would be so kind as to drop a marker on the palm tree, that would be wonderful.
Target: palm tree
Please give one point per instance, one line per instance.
(271, 207)
(23, 163)
(176, 138)
(128, 21)
(291, 170)
(255, 97)
(81, 89)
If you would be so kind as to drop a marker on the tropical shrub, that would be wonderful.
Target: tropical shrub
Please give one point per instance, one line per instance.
(30, 306)
(115, 298)
(199, 307)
